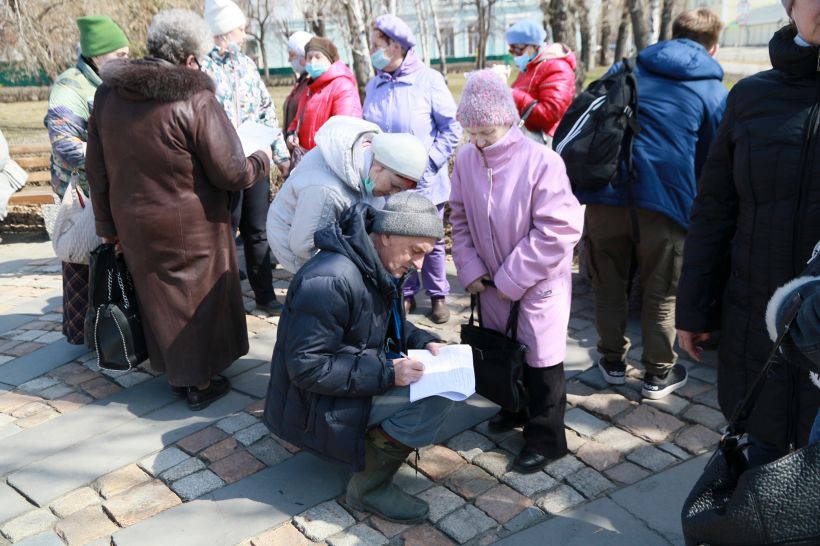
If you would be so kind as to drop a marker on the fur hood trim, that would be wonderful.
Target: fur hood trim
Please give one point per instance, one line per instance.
(155, 79)
(779, 298)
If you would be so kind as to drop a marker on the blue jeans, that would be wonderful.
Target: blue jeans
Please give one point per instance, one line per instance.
(413, 424)
(814, 436)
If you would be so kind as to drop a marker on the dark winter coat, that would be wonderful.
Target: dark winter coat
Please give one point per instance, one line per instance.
(329, 358)
(162, 157)
(681, 101)
(755, 221)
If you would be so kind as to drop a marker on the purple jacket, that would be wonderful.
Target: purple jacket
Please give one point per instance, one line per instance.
(515, 219)
(414, 99)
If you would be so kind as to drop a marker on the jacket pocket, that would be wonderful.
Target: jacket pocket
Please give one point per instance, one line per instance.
(546, 288)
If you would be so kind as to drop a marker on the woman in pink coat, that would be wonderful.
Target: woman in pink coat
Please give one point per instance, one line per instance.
(515, 221)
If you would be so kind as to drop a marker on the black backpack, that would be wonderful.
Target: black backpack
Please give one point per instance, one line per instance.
(596, 132)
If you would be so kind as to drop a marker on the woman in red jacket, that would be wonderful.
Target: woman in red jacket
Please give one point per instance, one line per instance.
(331, 92)
(545, 86)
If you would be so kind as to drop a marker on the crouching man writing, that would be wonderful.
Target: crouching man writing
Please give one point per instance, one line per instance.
(339, 378)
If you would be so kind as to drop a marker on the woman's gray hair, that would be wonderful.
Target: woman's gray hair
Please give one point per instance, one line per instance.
(175, 34)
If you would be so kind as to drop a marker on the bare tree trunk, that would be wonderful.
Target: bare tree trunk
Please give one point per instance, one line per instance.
(547, 14)
(640, 32)
(582, 16)
(391, 6)
(359, 45)
(654, 20)
(561, 22)
(621, 43)
(442, 50)
(606, 32)
(484, 9)
(424, 38)
(666, 20)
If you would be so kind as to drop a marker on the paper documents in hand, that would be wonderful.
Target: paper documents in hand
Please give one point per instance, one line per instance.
(255, 136)
(450, 374)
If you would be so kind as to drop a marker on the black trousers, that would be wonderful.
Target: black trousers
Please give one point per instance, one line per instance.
(544, 416)
(249, 210)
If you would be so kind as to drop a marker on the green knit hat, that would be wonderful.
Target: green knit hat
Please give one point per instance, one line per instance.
(100, 35)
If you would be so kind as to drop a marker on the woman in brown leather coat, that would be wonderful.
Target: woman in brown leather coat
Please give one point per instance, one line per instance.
(162, 157)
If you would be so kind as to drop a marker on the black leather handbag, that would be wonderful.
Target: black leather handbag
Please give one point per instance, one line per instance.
(774, 503)
(113, 329)
(498, 359)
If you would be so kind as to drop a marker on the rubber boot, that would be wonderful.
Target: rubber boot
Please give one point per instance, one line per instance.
(372, 490)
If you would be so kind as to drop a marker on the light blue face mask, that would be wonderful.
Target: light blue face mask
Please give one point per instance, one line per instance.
(316, 70)
(368, 186)
(379, 60)
(522, 61)
(297, 67)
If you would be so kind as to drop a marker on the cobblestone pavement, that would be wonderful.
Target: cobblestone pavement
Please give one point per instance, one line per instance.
(88, 456)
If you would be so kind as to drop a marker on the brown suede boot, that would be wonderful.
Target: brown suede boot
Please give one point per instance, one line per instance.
(440, 313)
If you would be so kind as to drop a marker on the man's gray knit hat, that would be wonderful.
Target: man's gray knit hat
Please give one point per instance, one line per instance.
(408, 213)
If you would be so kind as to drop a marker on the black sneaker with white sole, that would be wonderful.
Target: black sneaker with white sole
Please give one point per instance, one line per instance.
(614, 372)
(658, 386)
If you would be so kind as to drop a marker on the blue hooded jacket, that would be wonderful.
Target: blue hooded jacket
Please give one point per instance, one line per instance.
(681, 99)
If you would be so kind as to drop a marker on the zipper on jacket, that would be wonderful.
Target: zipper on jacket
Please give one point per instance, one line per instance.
(806, 159)
(489, 171)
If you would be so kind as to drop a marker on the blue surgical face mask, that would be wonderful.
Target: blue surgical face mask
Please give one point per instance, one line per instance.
(297, 67)
(235, 48)
(368, 186)
(315, 70)
(379, 60)
(522, 61)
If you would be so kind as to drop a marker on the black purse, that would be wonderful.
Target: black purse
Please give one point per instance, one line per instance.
(774, 503)
(498, 359)
(113, 329)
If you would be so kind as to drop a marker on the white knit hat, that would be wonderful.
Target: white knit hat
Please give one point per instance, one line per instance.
(402, 153)
(223, 16)
(298, 40)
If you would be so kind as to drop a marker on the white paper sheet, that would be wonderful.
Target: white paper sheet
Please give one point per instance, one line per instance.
(255, 136)
(450, 374)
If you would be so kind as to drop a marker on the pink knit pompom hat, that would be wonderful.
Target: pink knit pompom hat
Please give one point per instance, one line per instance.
(486, 101)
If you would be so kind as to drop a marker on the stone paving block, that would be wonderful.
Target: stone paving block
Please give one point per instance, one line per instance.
(251, 434)
(619, 440)
(324, 520)
(121, 480)
(410, 480)
(38, 359)
(583, 422)
(650, 424)
(235, 423)
(708, 398)
(257, 409)
(497, 463)
(132, 378)
(514, 444)
(577, 391)
(12, 504)
(70, 402)
(6, 419)
(38, 418)
(593, 378)
(703, 415)
(528, 484)
(574, 440)
(284, 535)
(358, 535)
(237, 466)
(11, 401)
(36, 385)
(185, 468)
(559, 499)
(84, 526)
(75, 501)
(651, 457)
(499, 437)
(161, 461)
(528, 517)
(49, 337)
(470, 481)
(425, 535)
(141, 502)
(198, 441)
(387, 528)
(598, 455)
(81, 376)
(442, 501)
(57, 391)
(8, 430)
(23, 349)
(589, 482)
(671, 404)
(269, 451)
(697, 439)
(707, 374)
(219, 450)
(49, 538)
(66, 371)
(606, 404)
(466, 523)
(469, 444)
(30, 409)
(196, 485)
(29, 524)
(100, 388)
(563, 467)
(437, 462)
(672, 449)
(626, 473)
(693, 388)
(502, 503)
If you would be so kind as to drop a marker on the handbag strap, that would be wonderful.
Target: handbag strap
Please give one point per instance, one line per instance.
(511, 328)
(527, 111)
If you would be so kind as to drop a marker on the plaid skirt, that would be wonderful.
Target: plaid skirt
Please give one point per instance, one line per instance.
(75, 301)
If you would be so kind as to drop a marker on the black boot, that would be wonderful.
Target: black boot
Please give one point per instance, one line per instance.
(544, 436)
(506, 420)
(201, 399)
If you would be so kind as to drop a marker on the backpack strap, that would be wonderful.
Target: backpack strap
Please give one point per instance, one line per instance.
(632, 129)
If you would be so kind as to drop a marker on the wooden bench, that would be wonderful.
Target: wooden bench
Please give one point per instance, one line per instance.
(35, 159)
